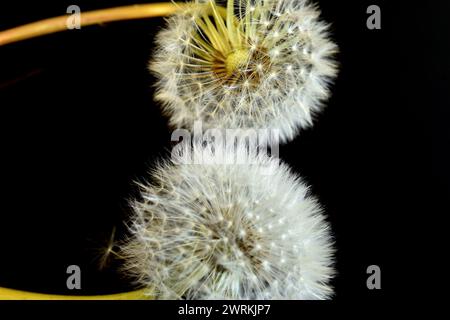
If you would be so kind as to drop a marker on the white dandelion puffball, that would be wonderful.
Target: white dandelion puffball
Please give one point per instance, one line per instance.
(262, 64)
(229, 231)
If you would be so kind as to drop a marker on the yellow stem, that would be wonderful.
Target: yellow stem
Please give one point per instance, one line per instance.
(11, 294)
(57, 24)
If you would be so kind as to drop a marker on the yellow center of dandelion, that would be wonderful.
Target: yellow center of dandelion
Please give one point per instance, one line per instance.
(221, 44)
(236, 60)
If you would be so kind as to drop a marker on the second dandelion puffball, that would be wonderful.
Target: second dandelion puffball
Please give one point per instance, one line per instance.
(221, 230)
(262, 64)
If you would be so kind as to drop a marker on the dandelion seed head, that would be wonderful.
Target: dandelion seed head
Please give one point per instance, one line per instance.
(196, 246)
(242, 45)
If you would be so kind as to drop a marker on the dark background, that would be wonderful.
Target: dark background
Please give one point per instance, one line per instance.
(78, 126)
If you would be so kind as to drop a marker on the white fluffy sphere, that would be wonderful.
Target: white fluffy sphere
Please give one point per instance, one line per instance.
(229, 231)
(262, 64)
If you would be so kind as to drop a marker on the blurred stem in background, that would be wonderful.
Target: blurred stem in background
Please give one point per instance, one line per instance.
(11, 294)
(57, 24)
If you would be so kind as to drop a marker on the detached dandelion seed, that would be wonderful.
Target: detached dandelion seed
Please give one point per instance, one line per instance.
(188, 242)
(262, 64)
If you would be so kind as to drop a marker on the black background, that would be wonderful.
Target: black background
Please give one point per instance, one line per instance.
(78, 126)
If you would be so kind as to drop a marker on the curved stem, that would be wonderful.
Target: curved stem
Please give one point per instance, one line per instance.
(52, 25)
(57, 24)
(11, 294)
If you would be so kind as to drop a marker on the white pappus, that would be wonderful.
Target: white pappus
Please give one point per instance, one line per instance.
(229, 231)
(245, 64)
